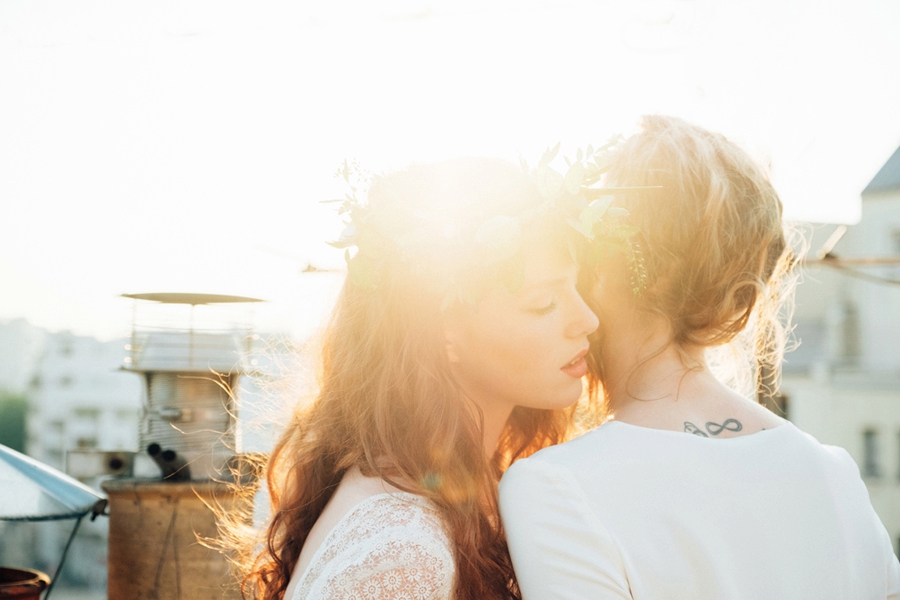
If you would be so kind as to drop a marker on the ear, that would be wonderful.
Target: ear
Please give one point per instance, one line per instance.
(451, 343)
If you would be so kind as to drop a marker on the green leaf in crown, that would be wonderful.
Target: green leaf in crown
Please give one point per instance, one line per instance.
(588, 209)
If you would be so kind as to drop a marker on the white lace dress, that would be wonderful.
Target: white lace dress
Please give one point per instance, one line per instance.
(388, 547)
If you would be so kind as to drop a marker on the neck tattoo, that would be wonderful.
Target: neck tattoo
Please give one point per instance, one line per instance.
(712, 428)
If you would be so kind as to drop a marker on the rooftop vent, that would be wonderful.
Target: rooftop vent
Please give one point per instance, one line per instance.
(190, 350)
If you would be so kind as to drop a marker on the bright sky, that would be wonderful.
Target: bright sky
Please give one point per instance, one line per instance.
(182, 145)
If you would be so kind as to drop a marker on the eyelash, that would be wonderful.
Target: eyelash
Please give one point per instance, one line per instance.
(546, 310)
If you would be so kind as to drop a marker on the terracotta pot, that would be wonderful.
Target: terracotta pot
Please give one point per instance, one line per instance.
(22, 584)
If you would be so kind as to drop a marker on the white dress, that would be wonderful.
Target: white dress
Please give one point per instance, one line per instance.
(627, 512)
(390, 546)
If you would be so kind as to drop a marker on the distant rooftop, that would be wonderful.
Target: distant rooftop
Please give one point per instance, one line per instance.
(888, 178)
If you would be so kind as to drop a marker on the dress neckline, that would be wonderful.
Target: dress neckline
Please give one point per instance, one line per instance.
(342, 522)
(750, 437)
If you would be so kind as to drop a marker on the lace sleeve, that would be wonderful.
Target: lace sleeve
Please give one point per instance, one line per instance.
(400, 570)
(393, 548)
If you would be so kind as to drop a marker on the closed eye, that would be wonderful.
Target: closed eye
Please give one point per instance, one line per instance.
(545, 310)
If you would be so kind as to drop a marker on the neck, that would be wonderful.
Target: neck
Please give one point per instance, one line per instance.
(641, 362)
(495, 416)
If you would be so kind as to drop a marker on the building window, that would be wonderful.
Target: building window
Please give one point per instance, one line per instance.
(66, 345)
(871, 466)
(127, 414)
(851, 347)
(898, 470)
(86, 412)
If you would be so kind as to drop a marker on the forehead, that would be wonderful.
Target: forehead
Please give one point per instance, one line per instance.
(546, 266)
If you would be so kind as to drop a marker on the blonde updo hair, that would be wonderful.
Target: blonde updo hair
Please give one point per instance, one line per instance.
(714, 248)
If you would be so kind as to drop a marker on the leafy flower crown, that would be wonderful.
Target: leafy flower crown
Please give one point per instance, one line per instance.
(494, 251)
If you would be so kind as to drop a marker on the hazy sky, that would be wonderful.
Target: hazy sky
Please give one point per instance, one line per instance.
(183, 145)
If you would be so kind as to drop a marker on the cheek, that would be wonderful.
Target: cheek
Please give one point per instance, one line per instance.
(508, 348)
(525, 352)
(518, 363)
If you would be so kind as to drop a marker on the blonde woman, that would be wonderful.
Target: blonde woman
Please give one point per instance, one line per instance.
(457, 344)
(690, 490)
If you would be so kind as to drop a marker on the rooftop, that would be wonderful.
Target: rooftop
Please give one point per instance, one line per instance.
(888, 178)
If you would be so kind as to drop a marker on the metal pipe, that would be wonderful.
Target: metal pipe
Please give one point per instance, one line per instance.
(173, 466)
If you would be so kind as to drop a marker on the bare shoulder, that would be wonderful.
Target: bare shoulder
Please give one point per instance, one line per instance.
(760, 415)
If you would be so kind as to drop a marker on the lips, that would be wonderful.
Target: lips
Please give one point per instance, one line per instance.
(577, 367)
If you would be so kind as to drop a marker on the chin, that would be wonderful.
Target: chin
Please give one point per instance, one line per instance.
(555, 398)
(568, 399)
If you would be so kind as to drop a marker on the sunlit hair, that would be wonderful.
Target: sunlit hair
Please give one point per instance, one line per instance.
(715, 250)
(389, 405)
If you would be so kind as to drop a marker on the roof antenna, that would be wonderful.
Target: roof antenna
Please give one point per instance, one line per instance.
(825, 251)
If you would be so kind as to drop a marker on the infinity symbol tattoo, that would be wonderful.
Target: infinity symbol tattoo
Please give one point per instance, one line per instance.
(728, 425)
(713, 428)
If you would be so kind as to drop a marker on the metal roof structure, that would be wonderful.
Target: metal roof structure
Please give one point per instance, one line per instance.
(192, 299)
(33, 491)
(888, 177)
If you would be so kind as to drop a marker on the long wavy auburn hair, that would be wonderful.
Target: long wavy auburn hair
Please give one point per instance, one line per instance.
(388, 403)
(716, 253)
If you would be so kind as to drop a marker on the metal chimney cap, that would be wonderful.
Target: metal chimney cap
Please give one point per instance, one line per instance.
(192, 299)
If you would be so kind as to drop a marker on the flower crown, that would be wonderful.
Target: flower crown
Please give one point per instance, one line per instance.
(494, 252)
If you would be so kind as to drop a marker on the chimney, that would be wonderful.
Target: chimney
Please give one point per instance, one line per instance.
(190, 351)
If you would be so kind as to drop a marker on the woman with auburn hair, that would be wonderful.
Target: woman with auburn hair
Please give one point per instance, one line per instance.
(457, 345)
(690, 489)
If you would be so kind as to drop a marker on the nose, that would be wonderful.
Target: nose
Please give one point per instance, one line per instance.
(584, 322)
